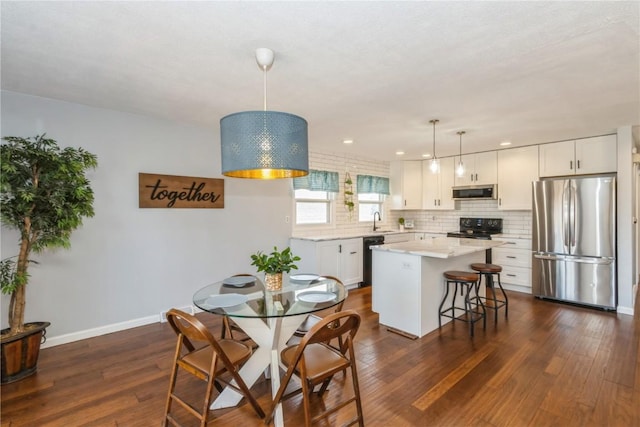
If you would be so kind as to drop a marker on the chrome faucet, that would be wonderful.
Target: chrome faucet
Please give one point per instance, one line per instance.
(374, 220)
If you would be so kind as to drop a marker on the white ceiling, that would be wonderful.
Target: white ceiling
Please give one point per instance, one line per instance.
(376, 72)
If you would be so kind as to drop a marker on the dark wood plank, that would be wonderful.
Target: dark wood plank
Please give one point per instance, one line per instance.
(547, 364)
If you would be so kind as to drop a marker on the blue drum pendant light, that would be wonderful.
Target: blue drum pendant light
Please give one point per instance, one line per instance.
(264, 144)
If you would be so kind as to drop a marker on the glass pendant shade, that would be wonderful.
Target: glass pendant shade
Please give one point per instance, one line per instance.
(264, 145)
(434, 166)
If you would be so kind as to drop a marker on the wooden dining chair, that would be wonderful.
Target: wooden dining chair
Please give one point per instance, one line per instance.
(200, 354)
(315, 362)
(229, 326)
(313, 319)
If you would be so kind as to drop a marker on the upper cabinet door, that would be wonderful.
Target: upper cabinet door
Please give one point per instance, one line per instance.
(447, 181)
(486, 168)
(469, 162)
(406, 184)
(517, 169)
(436, 187)
(582, 156)
(479, 169)
(596, 155)
(557, 159)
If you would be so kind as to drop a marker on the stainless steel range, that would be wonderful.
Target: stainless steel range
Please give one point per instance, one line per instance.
(478, 228)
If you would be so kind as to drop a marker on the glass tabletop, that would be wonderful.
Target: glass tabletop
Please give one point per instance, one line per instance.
(246, 296)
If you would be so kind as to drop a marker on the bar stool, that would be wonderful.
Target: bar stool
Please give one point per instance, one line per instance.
(473, 306)
(488, 271)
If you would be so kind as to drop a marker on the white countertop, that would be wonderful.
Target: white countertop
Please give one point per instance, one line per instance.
(440, 247)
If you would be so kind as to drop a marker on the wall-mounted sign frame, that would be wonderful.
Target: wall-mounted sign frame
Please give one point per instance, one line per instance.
(175, 192)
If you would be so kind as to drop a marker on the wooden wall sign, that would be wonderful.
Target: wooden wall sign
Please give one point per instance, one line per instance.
(170, 191)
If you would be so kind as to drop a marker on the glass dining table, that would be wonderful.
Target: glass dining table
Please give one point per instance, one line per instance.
(269, 317)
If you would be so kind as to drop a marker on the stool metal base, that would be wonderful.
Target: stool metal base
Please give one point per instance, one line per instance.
(495, 303)
(474, 309)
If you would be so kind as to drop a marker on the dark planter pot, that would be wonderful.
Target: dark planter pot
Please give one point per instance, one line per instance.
(20, 352)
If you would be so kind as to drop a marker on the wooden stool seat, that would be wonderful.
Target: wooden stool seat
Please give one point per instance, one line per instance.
(486, 268)
(461, 276)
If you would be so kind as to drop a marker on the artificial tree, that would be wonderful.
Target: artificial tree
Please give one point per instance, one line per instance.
(44, 194)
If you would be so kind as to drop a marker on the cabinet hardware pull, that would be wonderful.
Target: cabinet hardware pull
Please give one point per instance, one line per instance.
(339, 249)
(578, 163)
(511, 275)
(571, 164)
(511, 243)
(435, 202)
(500, 202)
(476, 177)
(353, 253)
(512, 257)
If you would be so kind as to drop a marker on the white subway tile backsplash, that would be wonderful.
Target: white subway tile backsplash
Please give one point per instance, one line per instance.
(514, 222)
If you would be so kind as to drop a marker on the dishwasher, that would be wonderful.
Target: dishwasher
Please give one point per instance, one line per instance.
(367, 261)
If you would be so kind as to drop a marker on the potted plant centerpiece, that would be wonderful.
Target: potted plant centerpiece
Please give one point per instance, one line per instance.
(44, 194)
(274, 265)
(401, 224)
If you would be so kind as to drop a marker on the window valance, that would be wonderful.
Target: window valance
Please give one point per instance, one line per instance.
(372, 184)
(318, 181)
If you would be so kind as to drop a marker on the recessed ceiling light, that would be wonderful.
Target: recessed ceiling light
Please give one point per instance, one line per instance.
(347, 141)
(504, 143)
(399, 153)
(426, 155)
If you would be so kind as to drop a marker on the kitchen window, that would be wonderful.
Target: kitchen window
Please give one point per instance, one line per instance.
(313, 207)
(371, 193)
(314, 195)
(368, 204)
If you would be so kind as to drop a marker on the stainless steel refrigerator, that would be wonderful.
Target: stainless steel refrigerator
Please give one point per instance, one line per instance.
(574, 240)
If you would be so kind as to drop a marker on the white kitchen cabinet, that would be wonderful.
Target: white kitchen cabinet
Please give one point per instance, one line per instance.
(479, 169)
(580, 156)
(517, 169)
(341, 258)
(436, 187)
(405, 182)
(515, 259)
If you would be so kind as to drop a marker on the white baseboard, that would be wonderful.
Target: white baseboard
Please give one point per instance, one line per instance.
(53, 341)
(517, 288)
(624, 310)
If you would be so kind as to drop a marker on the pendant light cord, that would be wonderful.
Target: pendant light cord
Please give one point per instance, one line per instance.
(264, 69)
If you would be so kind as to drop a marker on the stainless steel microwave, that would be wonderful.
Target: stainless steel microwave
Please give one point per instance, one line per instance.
(475, 192)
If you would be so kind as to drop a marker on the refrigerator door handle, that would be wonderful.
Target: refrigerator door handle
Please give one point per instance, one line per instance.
(572, 218)
(566, 197)
(600, 261)
(552, 257)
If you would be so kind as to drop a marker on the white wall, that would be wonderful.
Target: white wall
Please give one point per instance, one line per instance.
(126, 264)
(626, 227)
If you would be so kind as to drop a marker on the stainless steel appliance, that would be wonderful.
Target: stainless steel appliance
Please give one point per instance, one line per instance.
(474, 192)
(574, 240)
(478, 228)
(367, 262)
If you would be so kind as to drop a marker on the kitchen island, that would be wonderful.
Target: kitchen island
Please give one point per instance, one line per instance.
(408, 285)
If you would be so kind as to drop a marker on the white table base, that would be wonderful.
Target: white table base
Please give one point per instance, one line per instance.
(271, 338)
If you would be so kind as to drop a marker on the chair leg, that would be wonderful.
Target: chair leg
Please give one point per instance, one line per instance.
(506, 300)
(356, 386)
(495, 299)
(444, 299)
(172, 386)
(325, 385)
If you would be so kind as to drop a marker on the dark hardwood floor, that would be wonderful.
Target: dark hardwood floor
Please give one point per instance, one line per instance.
(549, 364)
